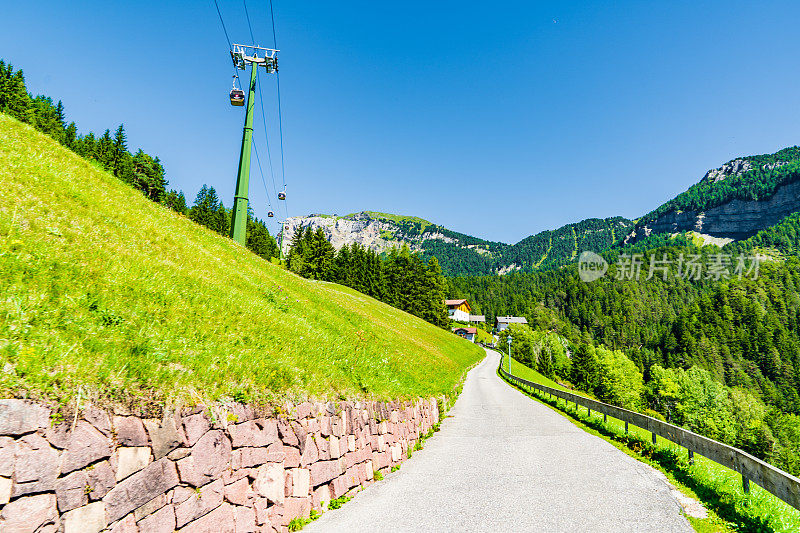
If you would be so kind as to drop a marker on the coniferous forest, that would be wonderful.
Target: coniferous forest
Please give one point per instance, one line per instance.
(399, 278)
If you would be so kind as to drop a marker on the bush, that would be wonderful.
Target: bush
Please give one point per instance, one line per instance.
(618, 381)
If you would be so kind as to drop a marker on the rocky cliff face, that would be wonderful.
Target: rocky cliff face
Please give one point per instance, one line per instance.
(737, 219)
(369, 231)
(736, 167)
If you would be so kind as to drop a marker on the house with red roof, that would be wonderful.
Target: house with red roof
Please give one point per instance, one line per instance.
(467, 333)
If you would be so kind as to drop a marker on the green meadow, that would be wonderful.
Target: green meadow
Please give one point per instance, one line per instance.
(107, 295)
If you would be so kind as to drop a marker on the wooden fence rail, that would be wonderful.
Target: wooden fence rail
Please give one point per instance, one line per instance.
(782, 484)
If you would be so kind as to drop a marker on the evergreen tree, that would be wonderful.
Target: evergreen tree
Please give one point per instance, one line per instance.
(70, 136)
(176, 201)
(120, 148)
(297, 258)
(205, 207)
(60, 117)
(145, 174)
(545, 363)
(222, 220)
(14, 97)
(104, 150)
(259, 241)
(436, 311)
(585, 367)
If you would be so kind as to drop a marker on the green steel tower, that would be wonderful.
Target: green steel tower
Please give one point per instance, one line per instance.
(241, 59)
(240, 198)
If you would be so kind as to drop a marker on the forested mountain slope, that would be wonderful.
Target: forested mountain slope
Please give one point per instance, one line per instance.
(736, 200)
(732, 202)
(461, 254)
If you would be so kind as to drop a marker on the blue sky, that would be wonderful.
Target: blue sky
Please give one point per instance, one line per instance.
(495, 119)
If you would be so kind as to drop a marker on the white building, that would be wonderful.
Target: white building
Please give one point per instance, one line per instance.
(458, 310)
(502, 322)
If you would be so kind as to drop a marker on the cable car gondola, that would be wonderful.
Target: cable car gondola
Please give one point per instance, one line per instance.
(270, 214)
(237, 95)
(282, 195)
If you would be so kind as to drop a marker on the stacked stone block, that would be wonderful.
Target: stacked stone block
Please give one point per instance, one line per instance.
(203, 470)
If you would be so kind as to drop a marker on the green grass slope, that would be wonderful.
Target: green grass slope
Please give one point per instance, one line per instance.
(108, 295)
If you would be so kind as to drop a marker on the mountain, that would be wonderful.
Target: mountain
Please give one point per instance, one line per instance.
(734, 201)
(461, 254)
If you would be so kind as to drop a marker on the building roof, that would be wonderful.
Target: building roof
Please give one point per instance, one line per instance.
(466, 330)
(477, 318)
(454, 302)
(511, 320)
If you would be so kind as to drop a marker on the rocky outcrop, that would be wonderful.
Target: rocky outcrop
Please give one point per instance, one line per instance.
(736, 167)
(737, 219)
(194, 471)
(370, 232)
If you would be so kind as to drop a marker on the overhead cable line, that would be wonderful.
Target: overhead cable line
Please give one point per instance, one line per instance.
(247, 14)
(266, 136)
(263, 181)
(219, 13)
(263, 113)
(278, 83)
(242, 57)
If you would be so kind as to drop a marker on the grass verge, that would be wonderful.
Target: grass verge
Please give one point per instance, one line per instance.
(718, 487)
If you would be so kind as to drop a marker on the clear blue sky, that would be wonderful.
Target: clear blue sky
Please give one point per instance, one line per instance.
(497, 119)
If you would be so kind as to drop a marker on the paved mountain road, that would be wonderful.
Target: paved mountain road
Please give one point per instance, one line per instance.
(504, 462)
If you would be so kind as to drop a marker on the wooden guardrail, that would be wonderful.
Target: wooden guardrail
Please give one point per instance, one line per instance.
(782, 484)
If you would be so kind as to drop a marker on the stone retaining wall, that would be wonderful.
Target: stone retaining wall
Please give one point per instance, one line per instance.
(220, 470)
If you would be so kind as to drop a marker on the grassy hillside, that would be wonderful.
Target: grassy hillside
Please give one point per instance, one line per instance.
(106, 293)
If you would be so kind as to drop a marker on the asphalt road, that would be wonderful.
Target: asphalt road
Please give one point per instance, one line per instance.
(505, 462)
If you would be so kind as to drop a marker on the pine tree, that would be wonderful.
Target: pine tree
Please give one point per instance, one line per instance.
(104, 150)
(585, 367)
(70, 136)
(87, 146)
(60, 118)
(222, 220)
(545, 362)
(436, 312)
(259, 241)
(176, 201)
(297, 257)
(205, 207)
(145, 174)
(18, 103)
(120, 147)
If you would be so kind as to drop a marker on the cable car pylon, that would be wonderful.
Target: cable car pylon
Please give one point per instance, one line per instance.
(242, 56)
